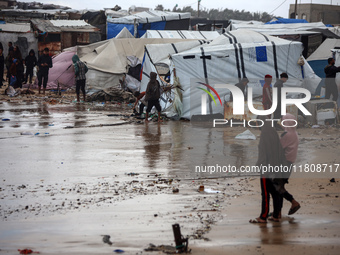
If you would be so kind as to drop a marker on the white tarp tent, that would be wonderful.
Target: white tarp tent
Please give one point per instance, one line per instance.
(181, 34)
(108, 62)
(323, 52)
(232, 56)
(279, 28)
(124, 33)
(150, 16)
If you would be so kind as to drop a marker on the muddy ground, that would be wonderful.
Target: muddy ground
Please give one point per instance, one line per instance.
(73, 173)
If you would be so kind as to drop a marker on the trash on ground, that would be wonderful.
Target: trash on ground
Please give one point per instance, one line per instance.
(26, 133)
(246, 135)
(211, 191)
(106, 239)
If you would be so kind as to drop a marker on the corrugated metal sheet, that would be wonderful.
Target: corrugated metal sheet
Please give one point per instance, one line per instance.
(63, 25)
(45, 26)
(69, 23)
(16, 27)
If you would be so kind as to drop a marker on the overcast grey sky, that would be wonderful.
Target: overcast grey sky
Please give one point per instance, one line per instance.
(247, 5)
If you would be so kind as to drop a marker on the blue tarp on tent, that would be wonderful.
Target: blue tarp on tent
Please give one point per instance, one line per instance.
(318, 67)
(113, 29)
(286, 21)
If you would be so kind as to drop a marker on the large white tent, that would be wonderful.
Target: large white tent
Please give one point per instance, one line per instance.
(108, 60)
(274, 28)
(181, 34)
(230, 57)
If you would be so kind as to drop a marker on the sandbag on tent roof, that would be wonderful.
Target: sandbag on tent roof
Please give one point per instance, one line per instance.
(226, 60)
(62, 71)
(181, 34)
(154, 20)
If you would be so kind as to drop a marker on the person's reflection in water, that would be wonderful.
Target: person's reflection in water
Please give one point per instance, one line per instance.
(152, 144)
(79, 116)
(238, 151)
(44, 115)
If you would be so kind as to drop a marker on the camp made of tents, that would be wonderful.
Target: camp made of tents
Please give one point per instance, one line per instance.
(181, 34)
(227, 59)
(139, 23)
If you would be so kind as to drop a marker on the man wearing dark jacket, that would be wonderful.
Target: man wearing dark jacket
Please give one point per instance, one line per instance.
(44, 64)
(242, 86)
(279, 85)
(2, 65)
(152, 95)
(331, 87)
(30, 63)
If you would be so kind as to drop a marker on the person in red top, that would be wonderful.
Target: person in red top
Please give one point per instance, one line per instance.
(267, 92)
(139, 97)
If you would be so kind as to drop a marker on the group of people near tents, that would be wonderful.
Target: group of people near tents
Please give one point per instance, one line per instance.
(15, 65)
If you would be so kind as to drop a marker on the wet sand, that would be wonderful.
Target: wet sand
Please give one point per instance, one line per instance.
(82, 174)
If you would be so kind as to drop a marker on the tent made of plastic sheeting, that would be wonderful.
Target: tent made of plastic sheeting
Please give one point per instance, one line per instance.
(286, 21)
(148, 20)
(335, 30)
(62, 72)
(125, 33)
(182, 34)
(108, 60)
(336, 54)
(274, 28)
(318, 60)
(231, 57)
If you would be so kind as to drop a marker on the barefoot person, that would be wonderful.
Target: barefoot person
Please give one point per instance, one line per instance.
(152, 95)
(270, 153)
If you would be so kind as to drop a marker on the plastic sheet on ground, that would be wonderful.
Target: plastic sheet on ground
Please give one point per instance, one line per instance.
(246, 135)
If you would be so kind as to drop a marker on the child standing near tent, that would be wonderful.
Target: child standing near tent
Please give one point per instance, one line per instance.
(30, 63)
(44, 64)
(80, 69)
(152, 95)
(267, 92)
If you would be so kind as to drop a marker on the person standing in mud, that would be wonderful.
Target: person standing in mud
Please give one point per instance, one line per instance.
(80, 69)
(242, 86)
(30, 63)
(331, 87)
(279, 85)
(289, 142)
(152, 95)
(44, 64)
(270, 153)
(2, 66)
(267, 92)
(8, 63)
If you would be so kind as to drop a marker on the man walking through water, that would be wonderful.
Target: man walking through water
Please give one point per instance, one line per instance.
(152, 95)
